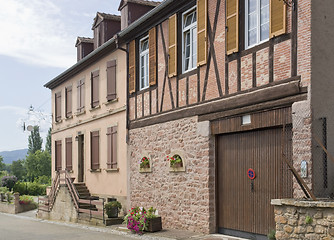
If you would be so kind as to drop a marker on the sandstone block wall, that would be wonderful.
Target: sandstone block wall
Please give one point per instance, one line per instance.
(185, 199)
(298, 219)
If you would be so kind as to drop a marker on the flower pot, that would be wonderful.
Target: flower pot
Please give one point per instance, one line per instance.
(177, 165)
(154, 224)
(113, 213)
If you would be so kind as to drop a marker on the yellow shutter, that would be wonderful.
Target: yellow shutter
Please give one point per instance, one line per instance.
(172, 47)
(232, 23)
(132, 67)
(152, 56)
(277, 18)
(202, 47)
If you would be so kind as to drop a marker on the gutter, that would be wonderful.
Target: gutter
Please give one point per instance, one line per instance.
(101, 51)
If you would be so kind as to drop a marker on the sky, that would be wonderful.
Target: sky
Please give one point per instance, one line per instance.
(37, 43)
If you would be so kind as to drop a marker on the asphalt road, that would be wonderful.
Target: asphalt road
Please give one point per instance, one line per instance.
(13, 227)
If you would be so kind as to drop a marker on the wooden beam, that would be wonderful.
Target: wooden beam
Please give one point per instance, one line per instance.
(273, 91)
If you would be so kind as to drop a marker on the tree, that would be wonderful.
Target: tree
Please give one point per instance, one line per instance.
(18, 169)
(38, 164)
(34, 141)
(2, 164)
(48, 142)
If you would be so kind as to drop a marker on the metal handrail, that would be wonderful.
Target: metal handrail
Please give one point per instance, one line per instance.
(50, 199)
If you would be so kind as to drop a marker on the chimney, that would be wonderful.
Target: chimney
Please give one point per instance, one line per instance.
(131, 10)
(105, 26)
(84, 47)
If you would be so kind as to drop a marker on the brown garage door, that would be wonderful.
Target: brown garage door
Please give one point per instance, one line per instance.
(244, 204)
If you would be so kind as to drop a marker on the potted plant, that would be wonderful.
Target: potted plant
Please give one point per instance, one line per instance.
(175, 161)
(145, 162)
(139, 220)
(112, 209)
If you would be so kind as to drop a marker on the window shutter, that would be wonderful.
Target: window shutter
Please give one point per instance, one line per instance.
(112, 147)
(132, 66)
(152, 39)
(68, 153)
(81, 95)
(202, 47)
(69, 101)
(277, 18)
(232, 25)
(172, 46)
(95, 88)
(58, 106)
(94, 138)
(58, 155)
(111, 80)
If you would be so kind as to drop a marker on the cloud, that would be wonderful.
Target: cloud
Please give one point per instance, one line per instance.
(35, 32)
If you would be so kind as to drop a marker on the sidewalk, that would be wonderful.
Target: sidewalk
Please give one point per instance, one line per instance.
(165, 234)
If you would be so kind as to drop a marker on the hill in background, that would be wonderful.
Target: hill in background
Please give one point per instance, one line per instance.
(10, 156)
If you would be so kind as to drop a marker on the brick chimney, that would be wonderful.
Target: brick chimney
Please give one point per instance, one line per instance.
(84, 47)
(131, 10)
(105, 26)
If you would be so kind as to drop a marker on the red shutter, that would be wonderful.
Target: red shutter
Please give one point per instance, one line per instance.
(58, 155)
(111, 80)
(58, 106)
(68, 153)
(112, 147)
(95, 88)
(68, 97)
(94, 139)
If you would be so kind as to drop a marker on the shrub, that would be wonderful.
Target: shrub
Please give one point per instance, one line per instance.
(29, 188)
(3, 189)
(43, 180)
(8, 181)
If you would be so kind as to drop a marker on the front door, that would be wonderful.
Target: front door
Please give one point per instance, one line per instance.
(244, 207)
(81, 158)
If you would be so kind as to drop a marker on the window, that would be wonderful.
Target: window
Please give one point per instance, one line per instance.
(111, 80)
(68, 153)
(94, 150)
(112, 147)
(189, 40)
(58, 106)
(58, 155)
(257, 22)
(68, 100)
(143, 63)
(95, 89)
(81, 96)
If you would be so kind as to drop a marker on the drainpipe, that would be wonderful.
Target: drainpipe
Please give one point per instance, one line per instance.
(116, 37)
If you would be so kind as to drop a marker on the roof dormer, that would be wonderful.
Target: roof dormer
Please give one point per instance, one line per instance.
(84, 47)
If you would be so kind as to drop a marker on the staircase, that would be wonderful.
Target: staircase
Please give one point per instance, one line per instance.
(84, 193)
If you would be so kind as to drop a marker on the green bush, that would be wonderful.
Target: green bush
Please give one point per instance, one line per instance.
(3, 189)
(30, 188)
(43, 180)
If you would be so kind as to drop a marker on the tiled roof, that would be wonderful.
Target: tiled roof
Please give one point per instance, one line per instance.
(142, 2)
(84, 39)
(106, 16)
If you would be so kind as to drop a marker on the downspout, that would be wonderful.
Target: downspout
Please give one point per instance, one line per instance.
(116, 37)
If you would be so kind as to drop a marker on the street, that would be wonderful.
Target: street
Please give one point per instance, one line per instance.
(23, 228)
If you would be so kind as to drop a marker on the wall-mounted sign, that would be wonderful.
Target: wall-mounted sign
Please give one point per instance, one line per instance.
(251, 173)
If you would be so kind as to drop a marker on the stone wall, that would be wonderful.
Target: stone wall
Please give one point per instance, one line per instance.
(14, 206)
(185, 199)
(63, 208)
(298, 219)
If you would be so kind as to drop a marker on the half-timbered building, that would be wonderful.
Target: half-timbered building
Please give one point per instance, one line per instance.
(220, 101)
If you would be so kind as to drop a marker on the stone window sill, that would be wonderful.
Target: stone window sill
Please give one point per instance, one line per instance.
(95, 108)
(80, 113)
(177, 169)
(69, 118)
(95, 170)
(145, 170)
(112, 170)
(111, 101)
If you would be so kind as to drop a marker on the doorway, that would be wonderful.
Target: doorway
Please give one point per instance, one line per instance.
(81, 158)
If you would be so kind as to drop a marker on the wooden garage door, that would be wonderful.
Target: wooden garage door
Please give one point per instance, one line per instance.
(244, 204)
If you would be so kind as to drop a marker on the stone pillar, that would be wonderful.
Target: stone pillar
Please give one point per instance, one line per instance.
(17, 202)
